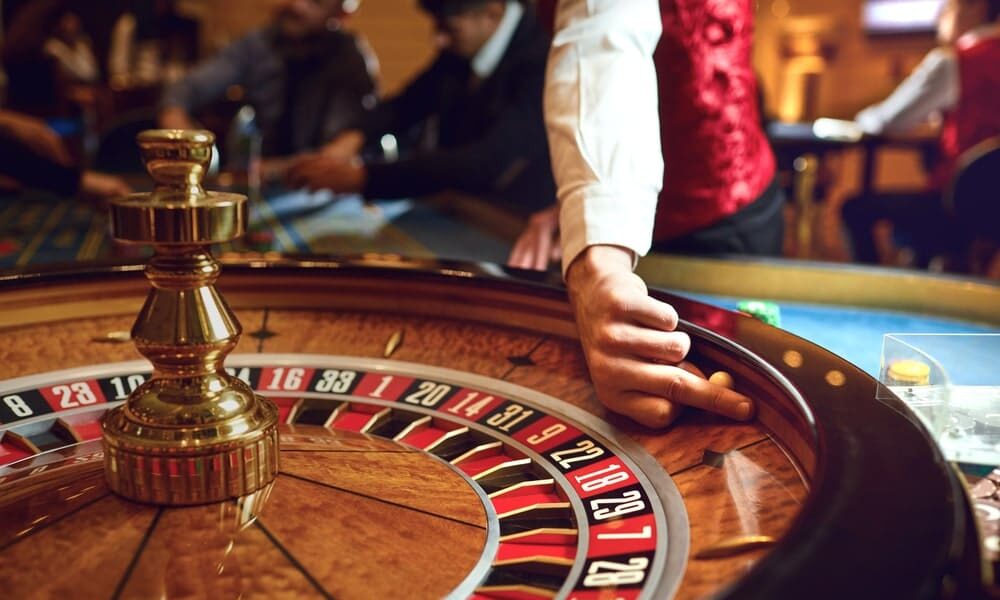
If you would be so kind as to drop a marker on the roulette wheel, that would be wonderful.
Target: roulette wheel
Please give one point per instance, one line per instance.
(440, 438)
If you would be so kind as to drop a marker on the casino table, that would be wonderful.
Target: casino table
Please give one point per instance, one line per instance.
(440, 438)
(827, 136)
(802, 150)
(844, 308)
(37, 228)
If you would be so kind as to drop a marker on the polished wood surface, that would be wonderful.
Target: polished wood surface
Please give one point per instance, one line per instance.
(734, 479)
(83, 554)
(328, 527)
(190, 542)
(751, 490)
(406, 479)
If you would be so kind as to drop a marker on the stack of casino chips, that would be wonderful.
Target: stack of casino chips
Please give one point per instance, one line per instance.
(986, 501)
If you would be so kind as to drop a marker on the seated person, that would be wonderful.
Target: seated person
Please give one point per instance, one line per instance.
(305, 77)
(958, 80)
(32, 155)
(70, 48)
(484, 94)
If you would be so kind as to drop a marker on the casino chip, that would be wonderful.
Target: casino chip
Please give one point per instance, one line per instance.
(909, 372)
(768, 312)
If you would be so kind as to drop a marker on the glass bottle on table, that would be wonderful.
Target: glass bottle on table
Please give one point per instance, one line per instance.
(243, 149)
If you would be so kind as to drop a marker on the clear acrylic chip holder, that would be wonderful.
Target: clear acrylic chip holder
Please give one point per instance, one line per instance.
(952, 381)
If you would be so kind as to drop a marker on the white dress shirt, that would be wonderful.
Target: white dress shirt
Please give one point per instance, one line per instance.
(931, 88)
(486, 60)
(601, 114)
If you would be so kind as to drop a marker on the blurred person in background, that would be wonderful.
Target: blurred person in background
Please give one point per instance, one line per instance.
(70, 47)
(957, 83)
(33, 156)
(46, 53)
(305, 77)
(478, 108)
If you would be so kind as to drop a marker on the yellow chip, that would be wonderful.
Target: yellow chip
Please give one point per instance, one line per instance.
(910, 371)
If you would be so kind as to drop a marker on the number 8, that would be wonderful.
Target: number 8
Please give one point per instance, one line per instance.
(18, 406)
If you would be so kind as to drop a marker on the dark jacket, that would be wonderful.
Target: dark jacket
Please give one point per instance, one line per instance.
(490, 137)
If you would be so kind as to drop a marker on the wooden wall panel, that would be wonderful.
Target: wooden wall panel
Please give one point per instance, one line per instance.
(859, 69)
(401, 35)
(397, 30)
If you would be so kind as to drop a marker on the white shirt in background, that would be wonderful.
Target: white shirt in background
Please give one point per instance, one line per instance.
(486, 60)
(75, 60)
(931, 88)
(601, 114)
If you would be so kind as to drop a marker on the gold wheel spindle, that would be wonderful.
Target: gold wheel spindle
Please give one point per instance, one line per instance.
(191, 434)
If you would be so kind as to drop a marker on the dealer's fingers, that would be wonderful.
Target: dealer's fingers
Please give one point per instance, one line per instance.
(650, 312)
(652, 411)
(693, 369)
(680, 386)
(624, 339)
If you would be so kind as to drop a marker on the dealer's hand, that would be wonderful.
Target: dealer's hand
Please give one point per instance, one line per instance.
(632, 349)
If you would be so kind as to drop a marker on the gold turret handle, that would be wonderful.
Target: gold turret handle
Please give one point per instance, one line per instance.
(192, 433)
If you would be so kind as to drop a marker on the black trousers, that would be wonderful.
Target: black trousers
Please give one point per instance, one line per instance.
(757, 228)
(918, 218)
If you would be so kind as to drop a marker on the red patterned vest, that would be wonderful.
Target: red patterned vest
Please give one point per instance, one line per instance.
(976, 116)
(716, 156)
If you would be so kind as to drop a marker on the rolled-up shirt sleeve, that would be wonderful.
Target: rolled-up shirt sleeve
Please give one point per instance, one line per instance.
(603, 125)
(931, 87)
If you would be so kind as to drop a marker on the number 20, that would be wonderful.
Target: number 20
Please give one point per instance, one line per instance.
(428, 393)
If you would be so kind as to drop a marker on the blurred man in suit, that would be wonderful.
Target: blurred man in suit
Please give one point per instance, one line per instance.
(479, 109)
